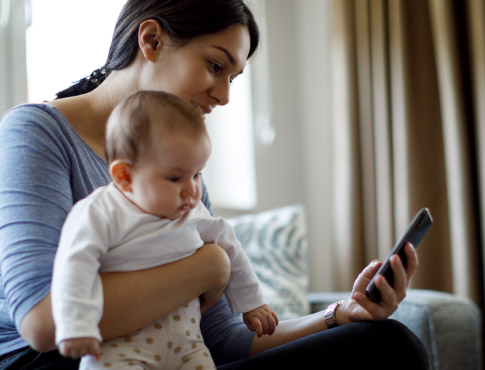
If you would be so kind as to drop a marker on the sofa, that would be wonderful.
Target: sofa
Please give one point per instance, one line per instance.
(276, 242)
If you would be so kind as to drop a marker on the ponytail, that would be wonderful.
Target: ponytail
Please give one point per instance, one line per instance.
(84, 85)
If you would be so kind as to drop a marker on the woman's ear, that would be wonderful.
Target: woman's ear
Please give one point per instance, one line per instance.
(120, 172)
(150, 39)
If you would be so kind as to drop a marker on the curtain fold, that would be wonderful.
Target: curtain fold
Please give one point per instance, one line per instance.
(381, 129)
(450, 44)
(347, 238)
(476, 30)
(408, 78)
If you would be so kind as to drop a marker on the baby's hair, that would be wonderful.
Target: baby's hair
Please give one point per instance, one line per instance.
(131, 123)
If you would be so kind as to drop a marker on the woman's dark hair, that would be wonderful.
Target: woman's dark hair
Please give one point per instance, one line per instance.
(182, 20)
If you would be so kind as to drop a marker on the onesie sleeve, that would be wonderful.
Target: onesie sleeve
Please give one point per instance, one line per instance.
(35, 197)
(77, 291)
(243, 291)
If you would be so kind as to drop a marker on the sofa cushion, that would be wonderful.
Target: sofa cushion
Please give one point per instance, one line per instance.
(449, 326)
(276, 243)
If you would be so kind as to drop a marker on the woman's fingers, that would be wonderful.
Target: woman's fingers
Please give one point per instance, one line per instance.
(400, 278)
(412, 260)
(360, 307)
(366, 276)
(403, 275)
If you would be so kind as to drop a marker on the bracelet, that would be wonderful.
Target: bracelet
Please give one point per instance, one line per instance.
(330, 315)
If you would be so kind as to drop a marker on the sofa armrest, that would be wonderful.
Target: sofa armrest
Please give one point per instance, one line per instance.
(448, 326)
(320, 300)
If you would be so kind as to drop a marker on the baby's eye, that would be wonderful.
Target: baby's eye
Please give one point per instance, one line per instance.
(174, 178)
(197, 175)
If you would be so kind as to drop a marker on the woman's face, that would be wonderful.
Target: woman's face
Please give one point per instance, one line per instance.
(201, 71)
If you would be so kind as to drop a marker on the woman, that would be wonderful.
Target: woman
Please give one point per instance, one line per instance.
(52, 155)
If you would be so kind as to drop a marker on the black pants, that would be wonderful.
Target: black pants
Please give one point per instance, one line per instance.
(380, 345)
(359, 346)
(28, 359)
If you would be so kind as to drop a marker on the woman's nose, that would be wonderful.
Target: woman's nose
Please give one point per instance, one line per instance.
(221, 92)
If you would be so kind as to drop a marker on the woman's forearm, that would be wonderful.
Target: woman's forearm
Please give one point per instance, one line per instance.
(37, 327)
(290, 330)
(134, 299)
(357, 308)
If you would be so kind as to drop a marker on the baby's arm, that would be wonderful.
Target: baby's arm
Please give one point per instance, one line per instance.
(76, 292)
(262, 320)
(243, 292)
(78, 347)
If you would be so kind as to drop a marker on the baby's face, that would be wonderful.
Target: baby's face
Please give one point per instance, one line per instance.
(166, 180)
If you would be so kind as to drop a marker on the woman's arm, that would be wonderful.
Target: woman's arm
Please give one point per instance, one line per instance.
(134, 299)
(357, 308)
(204, 273)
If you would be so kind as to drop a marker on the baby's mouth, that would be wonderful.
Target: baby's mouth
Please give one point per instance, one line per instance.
(186, 207)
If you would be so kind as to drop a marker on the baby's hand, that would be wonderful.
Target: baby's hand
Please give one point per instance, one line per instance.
(78, 347)
(262, 320)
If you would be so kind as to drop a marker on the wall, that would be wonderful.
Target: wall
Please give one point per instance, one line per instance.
(296, 167)
(13, 80)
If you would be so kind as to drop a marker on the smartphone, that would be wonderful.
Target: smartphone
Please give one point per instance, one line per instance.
(414, 233)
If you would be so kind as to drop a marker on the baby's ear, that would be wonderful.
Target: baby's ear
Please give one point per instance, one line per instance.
(120, 172)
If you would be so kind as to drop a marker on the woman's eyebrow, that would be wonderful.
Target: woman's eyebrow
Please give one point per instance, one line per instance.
(228, 54)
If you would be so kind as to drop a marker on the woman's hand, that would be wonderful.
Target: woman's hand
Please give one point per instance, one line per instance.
(359, 307)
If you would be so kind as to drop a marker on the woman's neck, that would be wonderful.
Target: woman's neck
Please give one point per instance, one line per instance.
(88, 113)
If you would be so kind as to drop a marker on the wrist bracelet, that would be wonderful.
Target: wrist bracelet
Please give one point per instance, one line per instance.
(330, 315)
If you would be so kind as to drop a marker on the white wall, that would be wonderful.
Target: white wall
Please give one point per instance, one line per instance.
(13, 80)
(296, 168)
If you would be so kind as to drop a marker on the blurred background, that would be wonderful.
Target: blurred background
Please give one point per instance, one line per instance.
(364, 111)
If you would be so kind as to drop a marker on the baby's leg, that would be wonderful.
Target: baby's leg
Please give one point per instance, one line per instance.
(126, 352)
(186, 348)
(90, 363)
(139, 350)
(173, 342)
(198, 359)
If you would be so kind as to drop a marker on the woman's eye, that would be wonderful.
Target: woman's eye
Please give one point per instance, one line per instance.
(216, 68)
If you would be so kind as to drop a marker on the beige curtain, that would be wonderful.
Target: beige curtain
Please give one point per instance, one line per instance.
(409, 102)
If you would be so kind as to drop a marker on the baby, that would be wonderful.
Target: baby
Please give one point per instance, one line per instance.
(150, 214)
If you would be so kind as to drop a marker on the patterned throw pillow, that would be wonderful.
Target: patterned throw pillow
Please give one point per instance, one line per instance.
(276, 243)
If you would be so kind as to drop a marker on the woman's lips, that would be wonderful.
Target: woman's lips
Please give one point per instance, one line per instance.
(204, 109)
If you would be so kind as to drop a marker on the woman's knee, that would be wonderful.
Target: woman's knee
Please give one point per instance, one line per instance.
(399, 345)
(381, 345)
